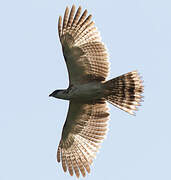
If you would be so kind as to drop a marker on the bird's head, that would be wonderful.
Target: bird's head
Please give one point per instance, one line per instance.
(57, 94)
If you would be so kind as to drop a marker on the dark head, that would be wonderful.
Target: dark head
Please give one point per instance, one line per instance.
(55, 93)
(58, 94)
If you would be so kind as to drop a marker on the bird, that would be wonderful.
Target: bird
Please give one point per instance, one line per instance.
(89, 91)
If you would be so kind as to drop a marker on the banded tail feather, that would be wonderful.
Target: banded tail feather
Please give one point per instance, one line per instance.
(125, 91)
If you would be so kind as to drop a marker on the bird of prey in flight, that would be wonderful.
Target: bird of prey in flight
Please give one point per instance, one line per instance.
(86, 124)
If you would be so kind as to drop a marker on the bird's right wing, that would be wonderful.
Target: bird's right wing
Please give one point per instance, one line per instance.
(85, 55)
(83, 131)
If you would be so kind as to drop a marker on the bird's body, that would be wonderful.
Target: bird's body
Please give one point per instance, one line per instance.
(86, 124)
(88, 91)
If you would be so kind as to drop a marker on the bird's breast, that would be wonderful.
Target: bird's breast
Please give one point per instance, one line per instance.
(87, 91)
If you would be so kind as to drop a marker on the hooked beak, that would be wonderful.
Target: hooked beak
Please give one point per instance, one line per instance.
(50, 95)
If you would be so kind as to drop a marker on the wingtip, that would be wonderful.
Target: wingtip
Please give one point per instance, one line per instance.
(66, 11)
(79, 8)
(60, 26)
(78, 175)
(73, 6)
(67, 8)
(86, 11)
(60, 18)
(71, 172)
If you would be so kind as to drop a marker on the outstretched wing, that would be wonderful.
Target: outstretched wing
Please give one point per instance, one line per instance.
(85, 55)
(84, 130)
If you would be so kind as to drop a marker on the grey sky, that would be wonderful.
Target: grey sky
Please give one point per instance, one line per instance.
(137, 34)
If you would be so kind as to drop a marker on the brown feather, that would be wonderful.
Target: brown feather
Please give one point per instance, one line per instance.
(59, 154)
(60, 26)
(71, 16)
(65, 21)
(69, 162)
(64, 165)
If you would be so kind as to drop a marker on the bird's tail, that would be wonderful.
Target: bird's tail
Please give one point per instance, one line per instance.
(124, 91)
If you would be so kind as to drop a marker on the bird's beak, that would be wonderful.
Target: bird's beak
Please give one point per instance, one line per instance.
(50, 95)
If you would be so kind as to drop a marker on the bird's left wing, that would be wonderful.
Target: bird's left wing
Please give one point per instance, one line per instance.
(83, 131)
(85, 55)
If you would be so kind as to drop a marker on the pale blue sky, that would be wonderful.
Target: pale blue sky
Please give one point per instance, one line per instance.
(138, 36)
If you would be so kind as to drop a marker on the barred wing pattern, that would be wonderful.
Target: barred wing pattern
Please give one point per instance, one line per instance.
(85, 55)
(84, 130)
